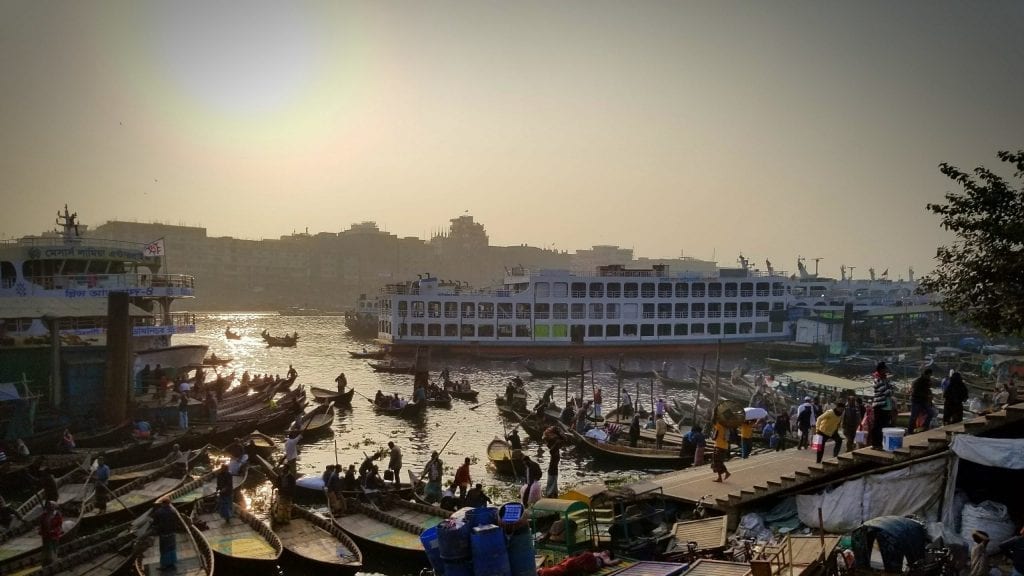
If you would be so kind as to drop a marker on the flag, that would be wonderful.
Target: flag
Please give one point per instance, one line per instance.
(886, 273)
(155, 248)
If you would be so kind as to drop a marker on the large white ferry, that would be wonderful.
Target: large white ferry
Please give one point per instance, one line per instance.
(617, 309)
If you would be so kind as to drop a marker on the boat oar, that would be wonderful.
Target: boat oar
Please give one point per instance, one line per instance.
(439, 453)
(361, 394)
(495, 399)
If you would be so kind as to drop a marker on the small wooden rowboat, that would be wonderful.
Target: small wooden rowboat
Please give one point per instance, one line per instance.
(339, 398)
(195, 558)
(245, 539)
(319, 540)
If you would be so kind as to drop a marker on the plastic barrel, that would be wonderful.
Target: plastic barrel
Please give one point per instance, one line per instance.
(490, 556)
(453, 543)
(521, 553)
(458, 568)
(432, 545)
(481, 516)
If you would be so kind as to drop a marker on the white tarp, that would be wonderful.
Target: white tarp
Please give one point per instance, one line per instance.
(914, 489)
(9, 392)
(995, 452)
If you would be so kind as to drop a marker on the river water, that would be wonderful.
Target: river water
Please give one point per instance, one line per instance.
(322, 353)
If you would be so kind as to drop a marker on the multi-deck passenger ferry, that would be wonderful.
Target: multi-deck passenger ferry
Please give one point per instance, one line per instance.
(616, 309)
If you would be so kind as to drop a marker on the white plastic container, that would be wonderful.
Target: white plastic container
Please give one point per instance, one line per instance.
(892, 438)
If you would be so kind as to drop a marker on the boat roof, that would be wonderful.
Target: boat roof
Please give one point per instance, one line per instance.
(38, 307)
(826, 380)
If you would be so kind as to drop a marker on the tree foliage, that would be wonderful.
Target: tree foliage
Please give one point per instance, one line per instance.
(981, 275)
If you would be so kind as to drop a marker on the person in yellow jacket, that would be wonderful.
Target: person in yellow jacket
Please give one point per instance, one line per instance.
(828, 426)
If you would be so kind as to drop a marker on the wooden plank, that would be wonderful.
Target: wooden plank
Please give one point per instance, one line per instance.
(189, 563)
(708, 533)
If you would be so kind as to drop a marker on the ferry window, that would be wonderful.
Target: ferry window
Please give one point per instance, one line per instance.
(403, 329)
(468, 309)
(664, 290)
(697, 310)
(762, 289)
(714, 310)
(682, 311)
(746, 327)
(698, 290)
(561, 290)
(648, 310)
(560, 331)
(504, 310)
(664, 310)
(468, 331)
(680, 330)
(696, 328)
(451, 309)
(543, 289)
(543, 330)
(762, 309)
(629, 311)
(629, 329)
(776, 327)
(596, 312)
(714, 290)
(416, 329)
(8, 274)
(579, 289)
(451, 330)
(612, 331)
(561, 311)
(579, 311)
(777, 289)
(613, 311)
(417, 309)
(761, 328)
(522, 311)
(730, 309)
(543, 311)
(682, 290)
(632, 290)
(730, 328)
(746, 309)
(433, 329)
(614, 290)
(486, 310)
(664, 329)
(595, 331)
(522, 330)
(485, 331)
(504, 330)
(596, 290)
(647, 329)
(647, 290)
(434, 309)
(714, 328)
(72, 267)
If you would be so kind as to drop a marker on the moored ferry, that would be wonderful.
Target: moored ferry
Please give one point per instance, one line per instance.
(615, 309)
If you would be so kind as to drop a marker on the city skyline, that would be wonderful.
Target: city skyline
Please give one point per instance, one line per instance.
(704, 129)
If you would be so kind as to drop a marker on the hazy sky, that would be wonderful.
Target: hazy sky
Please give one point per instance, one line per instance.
(704, 128)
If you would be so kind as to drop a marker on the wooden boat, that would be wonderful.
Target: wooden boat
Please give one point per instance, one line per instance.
(22, 540)
(319, 540)
(339, 398)
(106, 436)
(409, 411)
(318, 421)
(104, 552)
(369, 355)
(392, 368)
(625, 373)
(629, 457)
(685, 383)
(215, 361)
(547, 373)
(195, 557)
(204, 486)
(393, 529)
(443, 400)
(504, 459)
(280, 341)
(468, 395)
(782, 365)
(244, 539)
(231, 335)
(70, 486)
(265, 445)
(135, 495)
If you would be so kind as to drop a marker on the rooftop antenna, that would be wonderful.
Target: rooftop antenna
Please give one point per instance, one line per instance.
(816, 260)
(852, 268)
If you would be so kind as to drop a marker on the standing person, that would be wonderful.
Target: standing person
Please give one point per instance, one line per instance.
(692, 446)
(225, 492)
(920, 400)
(882, 404)
(291, 450)
(102, 478)
(165, 522)
(597, 402)
(554, 443)
(782, 430)
(627, 402)
(462, 478)
(634, 430)
(395, 462)
(211, 407)
(721, 451)
(805, 416)
(533, 475)
(514, 441)
(476, 498)
(828, 426)
(746, 438)
(659, 407)
(852, 416)
(183, 411)
(434, 471)
(660, 429)
(953, 400)
(285, 496)
(292, 373)
(51, 528)
(341, 382)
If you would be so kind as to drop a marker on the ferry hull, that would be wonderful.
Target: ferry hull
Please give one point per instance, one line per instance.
(561, 350)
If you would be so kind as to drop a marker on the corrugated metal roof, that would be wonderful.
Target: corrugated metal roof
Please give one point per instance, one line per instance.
(59, 307)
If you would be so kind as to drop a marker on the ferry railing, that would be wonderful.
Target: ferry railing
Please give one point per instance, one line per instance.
(55, 241)
(682, 315)
(109, 281)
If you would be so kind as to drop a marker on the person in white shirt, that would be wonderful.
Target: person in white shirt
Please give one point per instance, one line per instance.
(291, 450)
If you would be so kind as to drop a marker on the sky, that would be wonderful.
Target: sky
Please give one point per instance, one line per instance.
(775, 129)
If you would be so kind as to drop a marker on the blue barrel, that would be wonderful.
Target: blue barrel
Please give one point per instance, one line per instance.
(521, 554)
(432, 545)
(481, 516)
(458, 568)
(453, 542)
(490, 556)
